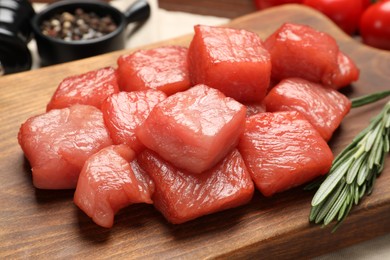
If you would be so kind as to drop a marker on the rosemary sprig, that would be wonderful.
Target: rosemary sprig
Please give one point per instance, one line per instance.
(354, 170)
(370, 98)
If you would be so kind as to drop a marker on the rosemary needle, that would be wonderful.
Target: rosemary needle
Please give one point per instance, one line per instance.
(370, 98)
(355, 169)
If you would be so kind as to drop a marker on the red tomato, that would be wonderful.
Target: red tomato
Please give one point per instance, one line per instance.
(366, 4)
(263, 4)
(345, 13)
(375, 25)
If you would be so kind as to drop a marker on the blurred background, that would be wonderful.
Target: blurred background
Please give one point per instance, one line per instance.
(169, 19)
(365, 20)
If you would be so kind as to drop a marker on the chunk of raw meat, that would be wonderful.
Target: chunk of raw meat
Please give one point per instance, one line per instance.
(181, 196)
(230, 60)
(282, 150)
(125, 111)
(254, 108)
(163, 68)
(58, 143)
(109, 181)
(300, 51)
(194, 129)
(347, 72)
(90, 88)
(324, 108)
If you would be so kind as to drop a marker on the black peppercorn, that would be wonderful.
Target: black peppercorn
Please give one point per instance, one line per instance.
(79, 25)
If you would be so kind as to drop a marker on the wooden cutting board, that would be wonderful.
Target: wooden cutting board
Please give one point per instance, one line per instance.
(40, 223)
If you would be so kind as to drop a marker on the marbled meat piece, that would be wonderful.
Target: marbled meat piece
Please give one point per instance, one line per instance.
(301, 51)
(324, 108)
(163, 68)
(230, 60)
(90, 88)
(58, 143)
(111, 180)
(182, 196)
(282, 150)
(194, 129)
(125, 111)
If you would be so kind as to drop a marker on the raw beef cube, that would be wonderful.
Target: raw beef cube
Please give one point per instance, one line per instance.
(194, 129)
(182, 196)
(125, 111)
(230, 60)
(324, 108)
(283, 150)
(347, 72)
(254, 108)
(58, 143)
(163, 68)
(300, 51)
(109, 182)
(90, 88)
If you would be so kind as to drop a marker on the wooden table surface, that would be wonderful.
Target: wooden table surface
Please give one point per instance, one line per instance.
(221, 8)
(46, 224)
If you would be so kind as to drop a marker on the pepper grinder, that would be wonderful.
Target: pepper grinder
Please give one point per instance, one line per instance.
(15, 33)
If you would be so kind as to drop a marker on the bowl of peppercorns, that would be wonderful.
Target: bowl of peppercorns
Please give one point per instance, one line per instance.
(71, 30)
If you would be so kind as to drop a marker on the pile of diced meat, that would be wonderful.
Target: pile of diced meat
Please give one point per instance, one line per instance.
(194, 130)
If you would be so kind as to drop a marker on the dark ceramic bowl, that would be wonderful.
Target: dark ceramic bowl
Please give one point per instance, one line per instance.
(53, 50)
(15, 33)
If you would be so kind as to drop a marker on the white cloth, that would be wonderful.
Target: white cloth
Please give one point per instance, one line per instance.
(375, 249)
(164, 25)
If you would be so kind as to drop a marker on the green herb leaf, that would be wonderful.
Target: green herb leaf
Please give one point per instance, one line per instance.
(354, 170)
(368, 99)
(333, 179)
